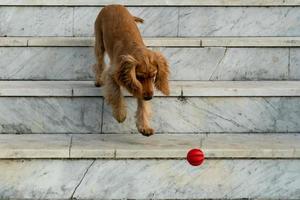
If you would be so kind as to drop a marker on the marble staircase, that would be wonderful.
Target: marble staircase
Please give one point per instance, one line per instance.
(193, 107)
(129, 166)
(235, 93)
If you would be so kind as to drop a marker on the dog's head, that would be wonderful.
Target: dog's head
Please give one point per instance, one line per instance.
(140, 74)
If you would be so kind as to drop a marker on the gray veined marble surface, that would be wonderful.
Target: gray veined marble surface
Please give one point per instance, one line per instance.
(220, 63)
(294, 66)
(28, 146)
(239, 21)
(172, 115)
(50, 115)
(153, 2)
(159, 21)
(175, 179)
(36, 21)
(79, 21)
(182, 89)
(214, 114)
(211, 63)
(158, 146)
(47, 63)
(149, 179)
(224, 41)
(40, 179)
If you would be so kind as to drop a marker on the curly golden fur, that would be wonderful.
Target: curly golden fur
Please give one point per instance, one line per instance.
(132, 65)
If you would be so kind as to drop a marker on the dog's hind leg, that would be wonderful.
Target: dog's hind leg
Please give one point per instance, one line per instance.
(99, 53)
(143, 115)
(114, 97)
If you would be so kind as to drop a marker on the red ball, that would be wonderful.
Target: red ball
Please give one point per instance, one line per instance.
(195, 157)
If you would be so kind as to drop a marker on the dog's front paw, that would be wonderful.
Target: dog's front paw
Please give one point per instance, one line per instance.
(146, 131)
(99, 83)
(120, 115)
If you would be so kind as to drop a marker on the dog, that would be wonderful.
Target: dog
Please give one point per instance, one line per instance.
(132, 65)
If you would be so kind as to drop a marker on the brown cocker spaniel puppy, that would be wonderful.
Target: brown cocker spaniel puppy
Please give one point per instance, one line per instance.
(132, 65)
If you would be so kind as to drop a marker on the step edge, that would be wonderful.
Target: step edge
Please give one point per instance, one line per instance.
(178, 89)
(151, 3)
(254, 146)
(156, 41)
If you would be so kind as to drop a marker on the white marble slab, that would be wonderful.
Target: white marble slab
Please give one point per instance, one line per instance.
(176, 179)
(172, 42)
(89, 41)
(159, 21)
(40, 179)
(159, 146)
(149, 179)
(249, 41)
(157, 41)
(213, 115)
(240, 88)
(64, 89)
(11, 41)
(34, 146)
(170, 115)
(36, 21)
(178, 88)
(35, 88)
(133, 146)
(87, 89)
(239, 21)
(223, 107)
(251, 145)
(46, 63)
(294, 65)
(92, 146)
(217, 63)
(152, 2)
(227, 63)
(61, 41)
(50, 115)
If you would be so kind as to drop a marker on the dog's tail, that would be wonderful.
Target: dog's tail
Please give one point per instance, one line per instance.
(138, 20)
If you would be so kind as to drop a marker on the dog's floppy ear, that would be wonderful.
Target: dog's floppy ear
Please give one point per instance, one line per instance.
(162, 77)
(126, 75)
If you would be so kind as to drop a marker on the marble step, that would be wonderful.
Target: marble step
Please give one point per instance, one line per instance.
(177, 89)
(150, 2)
(156, 41)
(166, 21)
(206, 58)
(130, 166)
(193, 107)
(158, 146)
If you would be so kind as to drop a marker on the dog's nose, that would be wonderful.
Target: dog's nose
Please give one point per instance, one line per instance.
(147, 98)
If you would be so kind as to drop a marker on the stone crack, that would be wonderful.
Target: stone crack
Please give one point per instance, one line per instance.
(70, 146)
(87, 170)
(217, 65)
